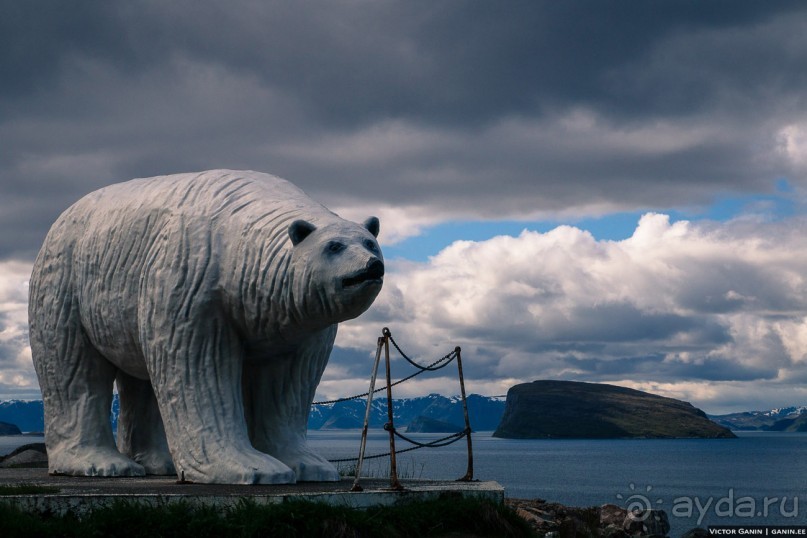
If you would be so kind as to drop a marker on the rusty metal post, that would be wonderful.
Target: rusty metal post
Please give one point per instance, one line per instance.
(390, 425)
(469, 474)
(356, 486)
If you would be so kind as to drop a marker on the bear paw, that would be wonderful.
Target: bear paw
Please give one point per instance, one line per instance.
(93, 461)
(238, 468)
(309, 466)
(157, 463)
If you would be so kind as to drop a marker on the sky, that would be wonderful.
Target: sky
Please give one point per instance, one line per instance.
(596, 191)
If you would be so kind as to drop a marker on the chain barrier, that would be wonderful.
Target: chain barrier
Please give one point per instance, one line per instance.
(383, 343)
(437, 443)
(432, 444)
(430, 368)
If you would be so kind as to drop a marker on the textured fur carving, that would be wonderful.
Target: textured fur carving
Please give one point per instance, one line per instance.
(213, 300)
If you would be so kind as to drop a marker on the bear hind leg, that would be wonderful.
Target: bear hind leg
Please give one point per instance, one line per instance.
(141, 435)
(76, 382)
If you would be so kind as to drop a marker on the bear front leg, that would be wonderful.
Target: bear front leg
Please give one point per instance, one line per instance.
(141, 435)
(278, 393)
(195, 368)
(194, 359)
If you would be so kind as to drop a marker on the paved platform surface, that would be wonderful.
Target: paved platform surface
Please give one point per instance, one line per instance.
(79, 494)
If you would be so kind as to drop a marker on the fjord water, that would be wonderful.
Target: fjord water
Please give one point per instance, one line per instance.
(759, 478)
(9, 442)
(696, 481)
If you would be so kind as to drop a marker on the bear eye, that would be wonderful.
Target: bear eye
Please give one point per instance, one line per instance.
(334, 247)
(371, 246)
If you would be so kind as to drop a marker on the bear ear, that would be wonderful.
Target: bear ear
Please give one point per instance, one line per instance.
(373, 225)
(299, 230)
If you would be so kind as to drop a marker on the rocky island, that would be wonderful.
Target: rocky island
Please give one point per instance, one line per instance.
(570, 409)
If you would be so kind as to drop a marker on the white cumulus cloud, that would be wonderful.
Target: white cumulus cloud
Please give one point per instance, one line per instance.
(17, 377)
(684, 304)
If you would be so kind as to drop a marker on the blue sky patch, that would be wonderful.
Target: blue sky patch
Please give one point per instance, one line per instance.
(611, 227)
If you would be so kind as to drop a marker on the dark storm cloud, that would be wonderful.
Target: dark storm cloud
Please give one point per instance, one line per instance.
(455, 61)
(602, 329)
(538, 106)
(352, 362)
(9, 350)
(655, 367)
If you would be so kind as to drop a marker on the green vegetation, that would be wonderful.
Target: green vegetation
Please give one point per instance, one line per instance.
(450, 515)
(375, 468)
(26, 489)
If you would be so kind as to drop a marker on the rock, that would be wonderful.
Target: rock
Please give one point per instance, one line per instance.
(30, 455)
(552, 519)
(611, 514)
(615, 531)
(9, 429)
(568, 409)
(27, 458)
(580, 522)
(529, 517)
(647, 523)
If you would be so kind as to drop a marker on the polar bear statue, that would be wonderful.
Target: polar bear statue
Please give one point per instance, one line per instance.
(212, 300)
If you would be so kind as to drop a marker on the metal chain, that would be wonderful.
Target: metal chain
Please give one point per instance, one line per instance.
(431, 367)
(440, 363)
(450, 357)
(436, 443)
(433, 444)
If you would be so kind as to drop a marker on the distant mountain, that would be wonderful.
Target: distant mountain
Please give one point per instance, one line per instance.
(9, 429)
(430, 425)
(569, 409)
(485, 412)
(27, 415)
(796, 424)
(761, 420)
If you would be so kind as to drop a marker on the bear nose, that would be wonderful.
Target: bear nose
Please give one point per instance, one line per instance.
(375, 268)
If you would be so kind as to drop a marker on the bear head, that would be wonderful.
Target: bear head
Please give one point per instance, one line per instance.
(338, 268)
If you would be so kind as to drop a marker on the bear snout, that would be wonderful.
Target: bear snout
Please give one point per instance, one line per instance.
(374, 270)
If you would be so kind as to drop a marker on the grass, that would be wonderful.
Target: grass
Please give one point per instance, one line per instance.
(26, 489)
(449, 515)
(376, 468)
